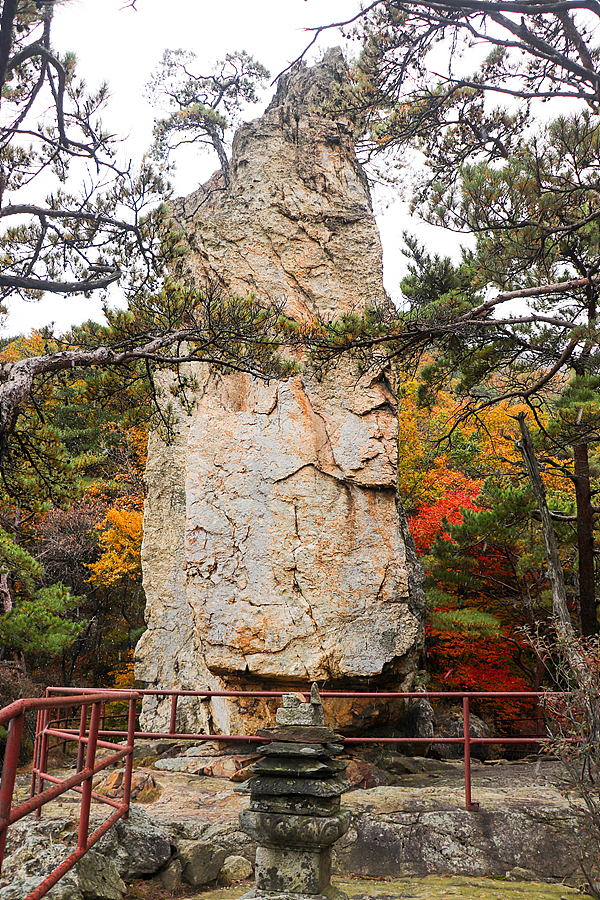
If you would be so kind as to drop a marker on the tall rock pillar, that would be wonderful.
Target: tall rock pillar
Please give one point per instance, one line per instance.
(274, 547)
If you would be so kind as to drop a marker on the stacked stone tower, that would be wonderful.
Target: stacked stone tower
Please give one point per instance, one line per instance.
(294, 813)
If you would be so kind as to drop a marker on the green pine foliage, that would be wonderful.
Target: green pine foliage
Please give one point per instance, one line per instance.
(41, 624)
(40, 620)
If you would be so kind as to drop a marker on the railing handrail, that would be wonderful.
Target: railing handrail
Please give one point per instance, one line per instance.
(81, 781)
(464, 696)
(368, 695)
(90, 737)
(26, 704)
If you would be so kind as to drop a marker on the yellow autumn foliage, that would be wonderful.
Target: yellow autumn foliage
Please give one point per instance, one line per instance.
(24, 347)
(121, 542)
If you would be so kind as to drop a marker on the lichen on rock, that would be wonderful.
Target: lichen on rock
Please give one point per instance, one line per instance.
(275, 551)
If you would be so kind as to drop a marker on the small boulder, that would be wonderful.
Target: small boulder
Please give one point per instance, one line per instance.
(144, 788)
(520, 874)
(366, 775)
(419, 723)
(225, 766)
(144, 847)
(201, 862)
(450, 725)
(235, 868)
(99, 878)
(401, 765)
(171, 876)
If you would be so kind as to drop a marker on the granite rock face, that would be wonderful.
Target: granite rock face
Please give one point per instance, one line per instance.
(275, 551)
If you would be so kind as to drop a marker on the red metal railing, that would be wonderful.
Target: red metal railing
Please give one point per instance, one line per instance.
(88, 740)
(465, 697)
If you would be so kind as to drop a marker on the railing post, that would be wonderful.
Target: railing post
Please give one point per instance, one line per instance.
(173, 719)
(43, 756)
(9, 773)
(469, 804)
(129, 759)
(66, 725)
(36, 753)
(81, 745)
(86, 787)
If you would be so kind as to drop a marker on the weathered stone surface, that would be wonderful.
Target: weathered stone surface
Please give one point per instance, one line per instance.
(296, 871)
(489, 842)
(520, 874)
(299, 734)
(398, 764)
(145, 844)
(34, 850)
(287, 748)
(66, 889)
(137, 845)
(296, 712)
(526, 823)
(298, 767)
(271, 525)
(171, 876)
(130, 849)
(311, 787)
(143, 786)
(201, 861)
(366, 775)
(235, 868)
(202, 749)
(419, 722)
(192, 765)
(99, 878)
(271, 829)
(450, 725)
(298, 804)
(432, 887)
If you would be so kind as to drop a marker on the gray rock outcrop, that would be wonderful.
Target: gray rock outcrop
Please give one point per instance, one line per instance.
(275, 552)
(132, 848)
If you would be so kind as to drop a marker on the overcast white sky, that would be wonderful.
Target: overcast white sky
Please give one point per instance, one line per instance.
(122, 46)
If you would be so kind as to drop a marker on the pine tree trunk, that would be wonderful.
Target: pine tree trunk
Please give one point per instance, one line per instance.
(585, 541)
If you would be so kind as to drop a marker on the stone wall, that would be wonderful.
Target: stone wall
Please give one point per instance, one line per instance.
(275, 551)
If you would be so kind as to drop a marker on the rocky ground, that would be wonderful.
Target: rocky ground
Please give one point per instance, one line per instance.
(430, 888)
(408, 819)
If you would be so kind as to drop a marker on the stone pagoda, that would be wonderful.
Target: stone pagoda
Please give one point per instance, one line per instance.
(294, 813)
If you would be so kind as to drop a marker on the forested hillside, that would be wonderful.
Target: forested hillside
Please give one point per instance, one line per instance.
(71, 521)
(73, 411)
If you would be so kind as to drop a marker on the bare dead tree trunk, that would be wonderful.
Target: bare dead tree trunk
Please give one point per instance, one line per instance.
(553, 565)
(5, 596)
(585, 541)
